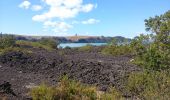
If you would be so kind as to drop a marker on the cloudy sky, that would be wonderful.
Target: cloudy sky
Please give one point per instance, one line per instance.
(82, 17)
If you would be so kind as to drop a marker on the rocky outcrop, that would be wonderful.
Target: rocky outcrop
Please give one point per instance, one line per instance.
(24, 70)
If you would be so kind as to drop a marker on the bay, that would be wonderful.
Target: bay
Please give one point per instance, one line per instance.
(73, 45)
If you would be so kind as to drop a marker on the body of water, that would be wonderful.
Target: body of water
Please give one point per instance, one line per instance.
(73, 45)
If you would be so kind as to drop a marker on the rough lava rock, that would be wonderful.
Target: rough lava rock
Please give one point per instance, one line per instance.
(20, 69)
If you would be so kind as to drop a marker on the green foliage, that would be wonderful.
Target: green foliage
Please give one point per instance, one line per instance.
(113, 94)
(43, 92)
(150, 85)
(139, 44)
(119, 41)
(49, 42)
(87, 48)
(65, 90)
(118, 46)
(14, 49)
(117, 50)
(7, 44)
(72, 90)
(7, 41)
(160, 25)
(151, 54)
(34, 44)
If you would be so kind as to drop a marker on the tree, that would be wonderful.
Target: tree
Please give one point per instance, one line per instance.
(161, 26)
(120, 41)
(153, 51)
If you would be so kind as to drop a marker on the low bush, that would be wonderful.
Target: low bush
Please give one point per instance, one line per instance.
(34, 44)
(150, 85)
(117, 50)
(117, 47)
(112, 94)
(72, 90)
(7, 41)
(14, 49)
(51, 43)
(87, 48)
(43, 92)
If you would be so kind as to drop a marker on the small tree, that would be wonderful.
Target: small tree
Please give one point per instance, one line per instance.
(150, 54)
(161, 26)
(153, 52)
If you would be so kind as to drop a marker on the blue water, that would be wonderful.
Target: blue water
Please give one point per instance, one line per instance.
(73, 45)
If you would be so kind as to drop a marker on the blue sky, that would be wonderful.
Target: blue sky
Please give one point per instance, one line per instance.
(84, 17)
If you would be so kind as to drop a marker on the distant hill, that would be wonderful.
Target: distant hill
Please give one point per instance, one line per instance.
(73, 39)
(89, 39)
(76, 38)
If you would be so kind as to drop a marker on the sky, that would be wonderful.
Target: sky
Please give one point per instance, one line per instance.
(82, 17)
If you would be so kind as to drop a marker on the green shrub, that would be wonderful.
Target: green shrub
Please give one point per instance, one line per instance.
(65, 90)
(9, 44)
(117, 50)
(14, 49)
(7, 41)
(87, 48)
(113, 94)
(151, 55)
(150, 85)
(119, 41)
(43, 92)
(118, 46)
(34, 44)
(72, 90)
(49, 42)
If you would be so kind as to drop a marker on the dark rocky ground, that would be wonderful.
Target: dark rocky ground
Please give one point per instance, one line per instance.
(20, 71)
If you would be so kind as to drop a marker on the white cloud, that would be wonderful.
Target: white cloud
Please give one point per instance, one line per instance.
(67, 3)
(36, 7)
(87, 8)
(39, 18)
(91, 21)
(60, 10)
(72, 3)
(59, 27)
(25, 4)
(63, 9)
